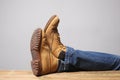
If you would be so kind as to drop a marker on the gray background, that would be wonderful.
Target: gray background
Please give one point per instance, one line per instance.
(92, 25)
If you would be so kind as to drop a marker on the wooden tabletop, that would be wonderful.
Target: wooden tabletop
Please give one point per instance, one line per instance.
(27, 75)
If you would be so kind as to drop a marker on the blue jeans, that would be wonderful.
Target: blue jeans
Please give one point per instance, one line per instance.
(77, 60)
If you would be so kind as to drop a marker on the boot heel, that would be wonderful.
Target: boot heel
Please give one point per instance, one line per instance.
(36, 67)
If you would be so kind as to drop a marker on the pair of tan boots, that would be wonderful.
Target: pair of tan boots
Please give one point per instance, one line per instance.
(46, 47)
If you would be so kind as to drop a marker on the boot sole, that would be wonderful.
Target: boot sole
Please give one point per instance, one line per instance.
(35, 46)
(49, 22)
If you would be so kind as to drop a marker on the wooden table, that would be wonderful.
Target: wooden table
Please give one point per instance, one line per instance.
(27, 75)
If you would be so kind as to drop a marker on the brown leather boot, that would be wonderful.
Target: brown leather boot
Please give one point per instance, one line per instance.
(53, 37)
(43, 60)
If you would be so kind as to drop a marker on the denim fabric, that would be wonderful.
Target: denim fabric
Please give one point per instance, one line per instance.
(77, 60)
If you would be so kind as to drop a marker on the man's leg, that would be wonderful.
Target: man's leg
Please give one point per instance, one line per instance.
(77, 60)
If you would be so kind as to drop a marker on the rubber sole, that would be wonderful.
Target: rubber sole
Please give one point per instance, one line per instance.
(35, 51)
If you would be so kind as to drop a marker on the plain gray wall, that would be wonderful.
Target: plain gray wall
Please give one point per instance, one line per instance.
(92, 25)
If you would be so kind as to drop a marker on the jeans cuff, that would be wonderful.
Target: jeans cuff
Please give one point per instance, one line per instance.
(64, 65)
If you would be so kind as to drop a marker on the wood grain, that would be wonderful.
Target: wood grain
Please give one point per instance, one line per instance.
(84, 75)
